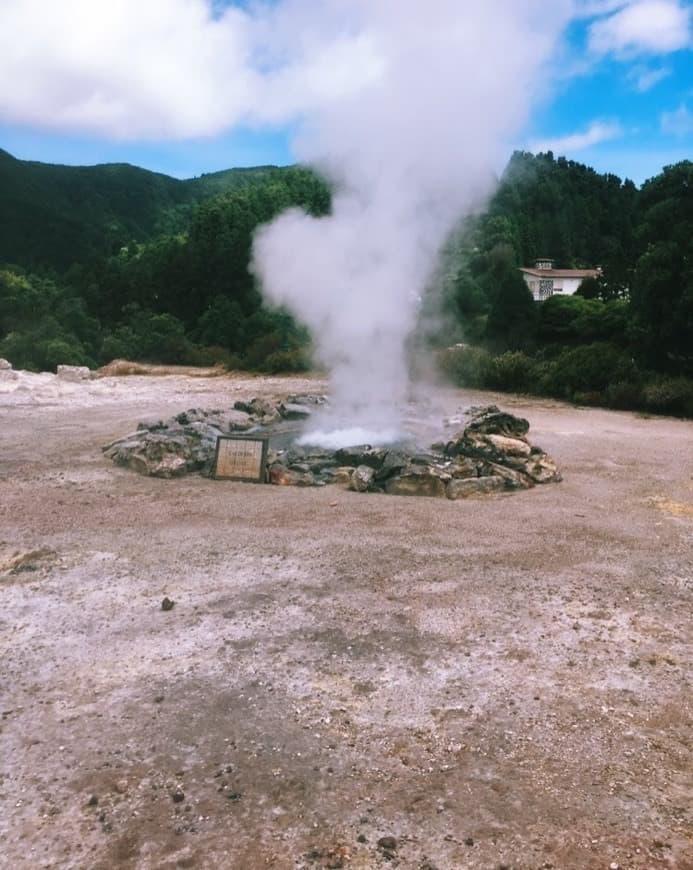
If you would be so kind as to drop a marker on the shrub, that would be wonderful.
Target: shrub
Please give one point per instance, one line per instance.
(669, 396)
(624, 395)
(588, 369)
(512, 370)
(295, 360)
(466, 366)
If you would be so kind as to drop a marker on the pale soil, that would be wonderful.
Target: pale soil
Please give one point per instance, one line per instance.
(511, 672)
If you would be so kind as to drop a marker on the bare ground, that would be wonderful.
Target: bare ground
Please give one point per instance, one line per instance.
(494, 683)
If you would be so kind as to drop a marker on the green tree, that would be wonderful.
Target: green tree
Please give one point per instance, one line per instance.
(662, 292)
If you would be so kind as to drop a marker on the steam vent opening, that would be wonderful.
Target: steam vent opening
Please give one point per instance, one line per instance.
(480, 450)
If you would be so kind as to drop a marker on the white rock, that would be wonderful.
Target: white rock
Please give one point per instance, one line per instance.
(74, 373)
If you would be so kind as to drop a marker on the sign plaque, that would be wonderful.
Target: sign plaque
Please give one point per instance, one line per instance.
(241, 457)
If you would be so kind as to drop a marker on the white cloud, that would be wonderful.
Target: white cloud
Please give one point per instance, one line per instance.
(643, 27)
(595, 8)
(677, 123)
(598, 131)
(158, 69)
(645, 78)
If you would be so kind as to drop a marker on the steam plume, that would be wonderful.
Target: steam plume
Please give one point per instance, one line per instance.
(410, 152)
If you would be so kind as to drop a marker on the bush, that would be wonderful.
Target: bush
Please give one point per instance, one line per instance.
(466, 366)
(588, 369)
(512, 370)
(286, 361)
(669, 396)
(624, 395)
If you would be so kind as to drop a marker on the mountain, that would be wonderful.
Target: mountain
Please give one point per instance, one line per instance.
(52, 216)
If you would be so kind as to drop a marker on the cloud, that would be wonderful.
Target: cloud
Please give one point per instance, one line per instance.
(645, 78)
(644, 27)
(595, 8)
(677, 123)
(173, 69)
(598, 131)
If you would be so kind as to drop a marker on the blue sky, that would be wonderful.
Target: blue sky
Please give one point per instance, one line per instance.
(174, 85)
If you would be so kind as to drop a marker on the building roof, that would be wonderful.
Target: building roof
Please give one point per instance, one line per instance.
(562, 273)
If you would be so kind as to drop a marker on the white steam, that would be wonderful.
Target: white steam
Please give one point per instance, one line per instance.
(410, 153)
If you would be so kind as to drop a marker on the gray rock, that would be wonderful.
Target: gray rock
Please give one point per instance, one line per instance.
(294, 411)
(362, 454)
(463, 467)
(5, 365)
(393, 462)
(342, 475)
(420, 482)
(478, 462)
(513, 479)
(362, 479)
(474, 486)
(490, 420)
(542, 469)
(73, 373)
(237, 421)
(280, 475)
(262, 409)
(509, 446)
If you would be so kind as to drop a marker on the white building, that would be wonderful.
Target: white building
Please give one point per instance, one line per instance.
(543, 280)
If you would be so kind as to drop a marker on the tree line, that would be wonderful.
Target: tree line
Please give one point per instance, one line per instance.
(625, 339)
(126, 263)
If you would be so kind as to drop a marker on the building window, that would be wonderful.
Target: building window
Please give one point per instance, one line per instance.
(545, 288)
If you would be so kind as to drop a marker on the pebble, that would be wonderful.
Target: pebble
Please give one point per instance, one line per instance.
(389, 844)
(614, 866)
(121, 786)
(178, 796)
(469, 841)
(167, 604)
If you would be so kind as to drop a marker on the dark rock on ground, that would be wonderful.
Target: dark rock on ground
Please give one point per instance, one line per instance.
(490, 454)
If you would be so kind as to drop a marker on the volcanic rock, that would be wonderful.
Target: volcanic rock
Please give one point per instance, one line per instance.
(362, 479)
(475, 486)
(292, 411)
(282, 476)
(417, 481)
(490, 454)
(490, 420)
(73, 373)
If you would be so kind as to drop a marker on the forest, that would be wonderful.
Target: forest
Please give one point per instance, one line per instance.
(113, 261)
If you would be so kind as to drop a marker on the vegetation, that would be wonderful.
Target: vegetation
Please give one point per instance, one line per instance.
(624, 340)
(114, 261)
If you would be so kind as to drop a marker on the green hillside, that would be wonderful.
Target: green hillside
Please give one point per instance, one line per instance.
(52, 216)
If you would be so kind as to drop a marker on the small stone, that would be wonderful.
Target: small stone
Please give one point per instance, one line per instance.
(388, 844)
(469, 841)
(362, 478)
(121, 786)
(167, 604)
(93, 801)
(158, 699)
(361, 838)
(178, 796)
(614, 866)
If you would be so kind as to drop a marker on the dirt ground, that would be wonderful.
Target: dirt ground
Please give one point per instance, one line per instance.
(500, 682)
